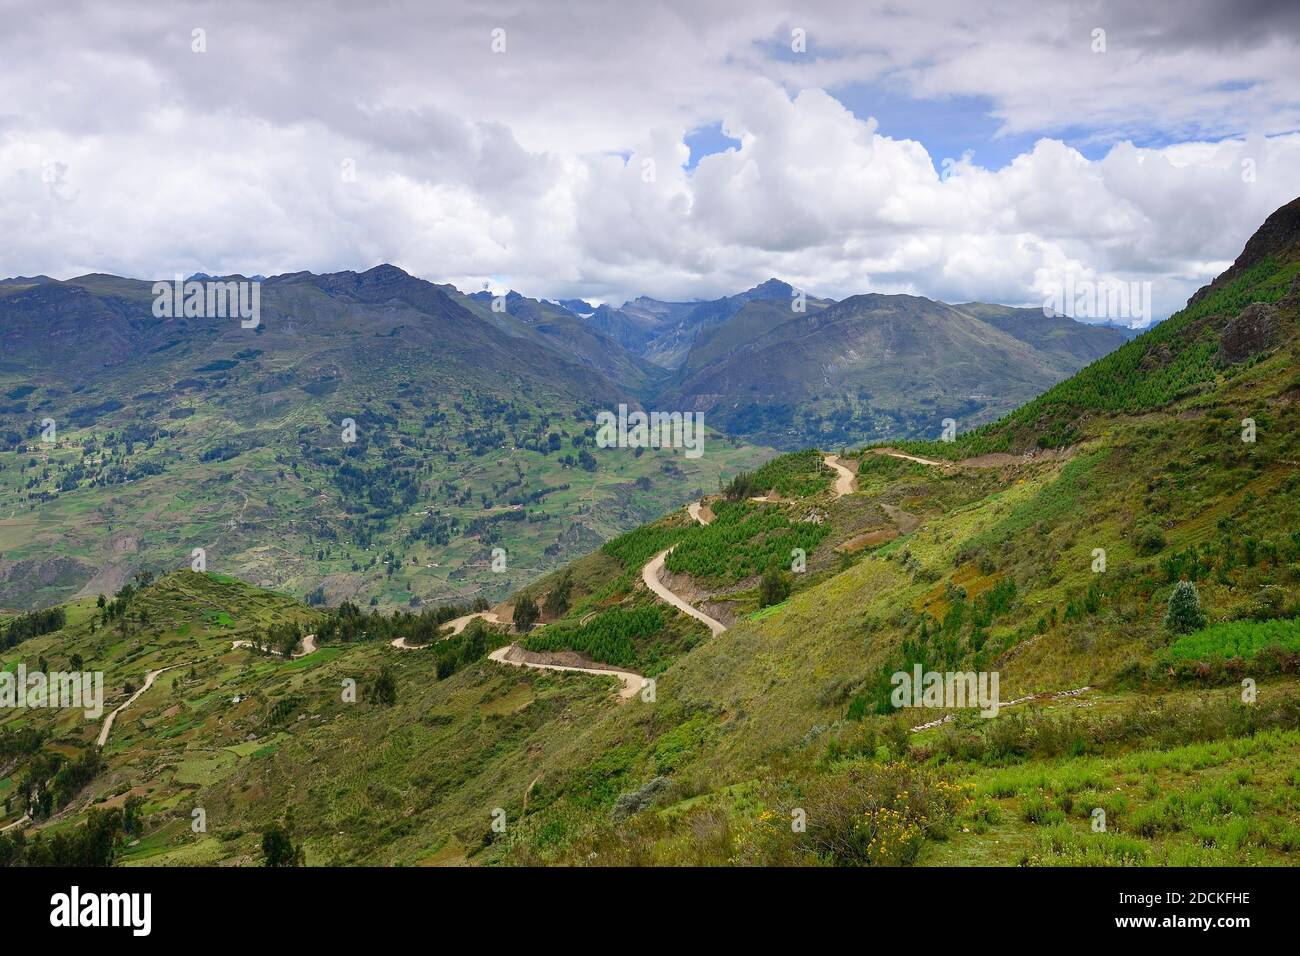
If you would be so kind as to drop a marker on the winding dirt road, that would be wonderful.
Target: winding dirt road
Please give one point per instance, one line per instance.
(693, 509)
(650, 575)
(308, 646)
(632, 682)
(513, 655)
(843, 478)
(920, 461)
(458, 624)
(148, 682)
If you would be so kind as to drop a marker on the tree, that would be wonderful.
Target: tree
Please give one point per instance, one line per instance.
(383, 690)
(557, 599)
(1185, 614)
(278, 848)
(132, 818)
(775, 586)
(525, 613)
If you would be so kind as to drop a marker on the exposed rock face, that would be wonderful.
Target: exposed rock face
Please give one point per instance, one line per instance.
(1250, 333)
(1157, 357)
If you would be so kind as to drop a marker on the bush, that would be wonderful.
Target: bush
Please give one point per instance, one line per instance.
(878, 814)
(1149, 538)
(638, 800)
(384, 689)
(278, 848)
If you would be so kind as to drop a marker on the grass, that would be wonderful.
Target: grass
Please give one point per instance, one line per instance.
(1243, 639)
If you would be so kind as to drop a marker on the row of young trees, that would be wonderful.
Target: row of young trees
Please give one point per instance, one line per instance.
(96, 843)
(612, 637)
(32, 625)
(348, 623)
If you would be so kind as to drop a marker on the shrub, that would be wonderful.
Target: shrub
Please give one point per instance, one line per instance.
(878, 814)
(1149, 538)
(278, 848)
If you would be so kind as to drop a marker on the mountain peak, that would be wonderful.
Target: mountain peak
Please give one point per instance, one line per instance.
(384, 272)
(1278, 237)
(770, 289)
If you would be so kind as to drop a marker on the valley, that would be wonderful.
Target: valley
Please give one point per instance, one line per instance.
(1123, 551)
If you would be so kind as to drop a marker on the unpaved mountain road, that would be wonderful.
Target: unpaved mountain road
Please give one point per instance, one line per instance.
(148, 682)
(458, 624)
(308, 646)
(513, 655)
(650, 575)
(995, 459)
(921, 461)
(843, 477)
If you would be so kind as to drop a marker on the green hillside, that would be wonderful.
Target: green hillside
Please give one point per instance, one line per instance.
(876, 365)
(1115, 552)
(177, 434)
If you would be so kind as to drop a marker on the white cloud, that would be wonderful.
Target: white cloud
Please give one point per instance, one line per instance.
(472, 165)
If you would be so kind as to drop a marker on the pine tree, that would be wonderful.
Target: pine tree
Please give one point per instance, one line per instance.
(775, 586)
(525, 613)
(1185, 614)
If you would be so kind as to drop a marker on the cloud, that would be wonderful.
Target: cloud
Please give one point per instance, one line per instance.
(359, 135)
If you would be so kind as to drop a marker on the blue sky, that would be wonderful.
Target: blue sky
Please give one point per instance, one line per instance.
(946, 127)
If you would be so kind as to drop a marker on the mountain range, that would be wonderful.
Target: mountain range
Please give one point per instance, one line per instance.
(471, 411)
(721, 685)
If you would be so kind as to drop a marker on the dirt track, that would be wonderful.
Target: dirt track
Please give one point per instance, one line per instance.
(513, 655)
(308, 646)
(148, 682)
(458, 624)
(650, 575)
(844, 478)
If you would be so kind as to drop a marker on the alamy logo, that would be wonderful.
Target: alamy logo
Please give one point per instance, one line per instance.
(951, 690)
(240, 299)
(653, 430)
(1108, 299)
(103, 909)
(58, 689)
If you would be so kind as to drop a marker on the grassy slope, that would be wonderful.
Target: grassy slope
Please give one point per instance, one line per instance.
(746, 726)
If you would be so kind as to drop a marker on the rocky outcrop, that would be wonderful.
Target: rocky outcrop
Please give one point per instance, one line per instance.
(1254, 331)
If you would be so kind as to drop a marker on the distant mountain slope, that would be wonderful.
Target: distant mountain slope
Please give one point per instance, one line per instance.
(665, 332)
(1070, 343)
(565, 333)
(874, 366)
(474, 431)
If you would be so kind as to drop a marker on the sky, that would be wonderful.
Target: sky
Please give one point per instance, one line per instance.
(955, 149)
